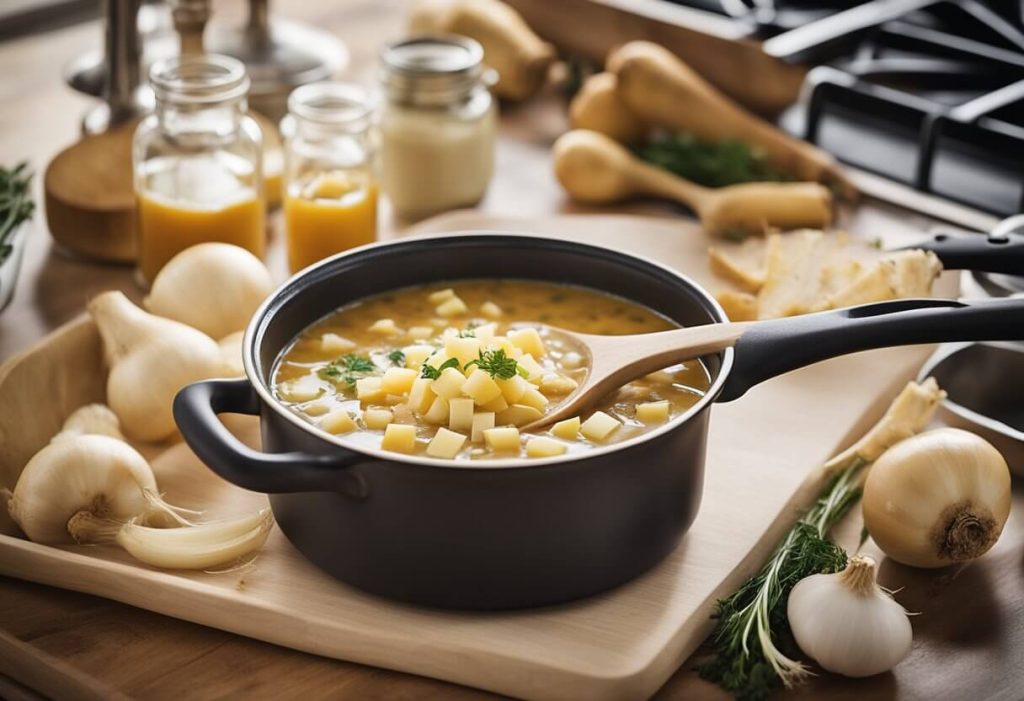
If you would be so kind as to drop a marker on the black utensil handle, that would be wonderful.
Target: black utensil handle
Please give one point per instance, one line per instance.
(195, 411)
(774, 347)
(998, 253)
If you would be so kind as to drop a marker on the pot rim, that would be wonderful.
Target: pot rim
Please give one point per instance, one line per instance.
(266, 395)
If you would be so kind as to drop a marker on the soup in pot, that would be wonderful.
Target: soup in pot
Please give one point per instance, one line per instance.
(453, 371)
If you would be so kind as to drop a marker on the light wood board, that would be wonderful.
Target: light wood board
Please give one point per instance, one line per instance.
(622, 644)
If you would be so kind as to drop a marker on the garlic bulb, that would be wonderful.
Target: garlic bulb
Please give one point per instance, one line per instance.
(847, 623)
(150, 360)
(96, 476)
(937, 498)
(213, 287)
(91, 419)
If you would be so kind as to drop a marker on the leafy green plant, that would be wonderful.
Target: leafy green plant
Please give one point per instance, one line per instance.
(16, 204)
(713, 164)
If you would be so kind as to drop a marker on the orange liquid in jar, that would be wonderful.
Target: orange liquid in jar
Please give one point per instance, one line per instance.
(203, 202)
(332, 213)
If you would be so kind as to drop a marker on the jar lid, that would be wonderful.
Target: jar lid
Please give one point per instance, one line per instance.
(432, 69)
(202, 79)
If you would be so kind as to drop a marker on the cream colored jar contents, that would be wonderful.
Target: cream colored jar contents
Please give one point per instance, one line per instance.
(437, 126)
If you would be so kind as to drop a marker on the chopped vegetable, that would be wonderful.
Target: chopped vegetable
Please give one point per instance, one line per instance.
(432, 373)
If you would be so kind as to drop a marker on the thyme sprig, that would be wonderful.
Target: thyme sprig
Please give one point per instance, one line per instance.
(754, 650)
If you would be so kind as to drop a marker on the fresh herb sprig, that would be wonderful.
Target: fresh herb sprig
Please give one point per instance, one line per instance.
(348, 368)
(16, 204)
(397, 357)
(754, 650)
(498, 365)
(709, 163)
(432, 373)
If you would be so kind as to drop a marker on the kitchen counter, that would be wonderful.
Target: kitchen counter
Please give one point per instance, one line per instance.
(68, 645)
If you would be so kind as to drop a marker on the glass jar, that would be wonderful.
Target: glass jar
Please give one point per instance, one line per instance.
(197, 162)
(437, 124)
(330, 200)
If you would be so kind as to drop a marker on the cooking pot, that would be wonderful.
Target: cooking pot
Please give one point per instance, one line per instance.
(515, 532)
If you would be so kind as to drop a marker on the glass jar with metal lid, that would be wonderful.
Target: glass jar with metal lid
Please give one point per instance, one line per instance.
(437, 125)
(330, 202)
(197, 162)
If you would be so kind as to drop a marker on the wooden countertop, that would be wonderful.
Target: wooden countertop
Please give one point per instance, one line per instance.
(68, 645)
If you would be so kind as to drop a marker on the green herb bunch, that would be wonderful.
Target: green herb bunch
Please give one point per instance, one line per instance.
(495, 363)
(16, 204)
(713, 164)
(754, 650)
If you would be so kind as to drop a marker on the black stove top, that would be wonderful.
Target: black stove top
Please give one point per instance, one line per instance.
(929, 93)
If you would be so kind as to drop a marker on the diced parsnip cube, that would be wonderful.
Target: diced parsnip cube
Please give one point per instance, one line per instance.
(652, 412)
(334, 344)
(517, 415)
(460, 414)
(482, 421)
(485, 332)
(528, 340)
(441, 295)
(453, 307)
(438, 412)
(398, 380)
(317, 408)
(421, 333)
(450, 332)
(304, 389)
(338, 421)
(445, 444)
(465, 349)
(661, 377)
(534, 370)
(572, 360)
(535, 399)
(421, 396)
(502, 439)
(567, 429)
(437, 359)
(384, 327)
(599, 426)
(400, 438)
(377, 419)
(496, 404)
(449, 384)
(393, 399)
(513, 388)
(368, 389)
(481, 387)
(490, 310)
(556, 384)
(541, 447)
(416, 355)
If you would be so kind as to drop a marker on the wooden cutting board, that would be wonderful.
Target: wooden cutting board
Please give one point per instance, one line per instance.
(763, 452)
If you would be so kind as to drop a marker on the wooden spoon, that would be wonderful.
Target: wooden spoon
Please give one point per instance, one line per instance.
(617, 360)
(594, 168)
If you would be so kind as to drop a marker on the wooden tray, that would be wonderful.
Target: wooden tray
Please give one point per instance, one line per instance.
(623, 644)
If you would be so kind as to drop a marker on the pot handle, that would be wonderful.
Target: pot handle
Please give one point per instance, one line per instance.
(195, 411)
(997, 253)
(774, 347)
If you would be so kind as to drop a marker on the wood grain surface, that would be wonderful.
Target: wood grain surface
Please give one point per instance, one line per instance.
(969, 641)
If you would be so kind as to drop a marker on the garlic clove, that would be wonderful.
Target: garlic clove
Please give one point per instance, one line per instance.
(212, 287)
(847, 623)
(150, 360)
(92, 474)
(196, 547)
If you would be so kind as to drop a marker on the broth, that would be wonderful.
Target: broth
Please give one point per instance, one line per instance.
(452, 371)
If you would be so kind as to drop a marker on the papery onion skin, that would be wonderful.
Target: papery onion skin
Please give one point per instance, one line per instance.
(938, 498)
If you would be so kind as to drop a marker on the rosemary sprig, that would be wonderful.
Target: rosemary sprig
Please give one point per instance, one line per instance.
(754, 650)
(707, 163)
(16, 204)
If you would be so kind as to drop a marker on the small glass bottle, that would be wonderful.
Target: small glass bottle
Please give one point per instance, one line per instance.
(197, 162)
(438, 125)
(330, 202)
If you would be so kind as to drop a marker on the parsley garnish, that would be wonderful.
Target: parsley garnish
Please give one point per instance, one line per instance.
(432, 373)
(348, 369)
(498, 365)
(467, 333)
(397, 357)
